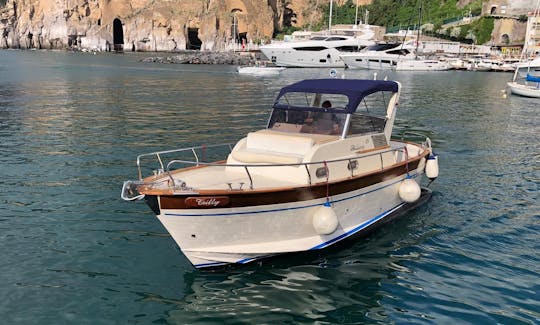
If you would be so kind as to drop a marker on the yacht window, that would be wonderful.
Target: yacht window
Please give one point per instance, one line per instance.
(399, 52)
(329, 39)
(318, 38)
(383, 46)
(349, 48)
(310, 48)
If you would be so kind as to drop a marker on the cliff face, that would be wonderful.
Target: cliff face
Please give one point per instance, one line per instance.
(147, 25)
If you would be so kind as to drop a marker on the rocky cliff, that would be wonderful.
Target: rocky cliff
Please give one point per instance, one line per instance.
(148, 25)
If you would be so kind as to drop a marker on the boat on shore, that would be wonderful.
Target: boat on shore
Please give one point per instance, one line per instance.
(323, 170)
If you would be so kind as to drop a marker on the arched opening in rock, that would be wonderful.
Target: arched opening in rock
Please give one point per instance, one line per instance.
(493, 10)
(118, 35)
(193, 43)
(234, 25)
(505, 39)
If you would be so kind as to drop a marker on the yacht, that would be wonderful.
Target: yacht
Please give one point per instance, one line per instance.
(381, 56)
(321, 50)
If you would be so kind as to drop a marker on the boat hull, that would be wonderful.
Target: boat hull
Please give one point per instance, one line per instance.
(524, 90)
(421, 65)
(238, 235)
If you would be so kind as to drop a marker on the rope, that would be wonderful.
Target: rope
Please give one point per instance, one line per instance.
(327, 184)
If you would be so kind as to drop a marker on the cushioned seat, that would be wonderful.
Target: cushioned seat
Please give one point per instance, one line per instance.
(265, 156)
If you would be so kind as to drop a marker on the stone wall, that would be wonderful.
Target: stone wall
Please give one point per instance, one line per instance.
(148, 25)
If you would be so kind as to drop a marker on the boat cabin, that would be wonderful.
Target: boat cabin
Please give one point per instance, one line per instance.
(323, 120)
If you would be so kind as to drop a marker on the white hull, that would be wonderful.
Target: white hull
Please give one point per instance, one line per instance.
(262, 71)
(421, 65)
(329, 58)
(357, 61)
(222, 236)
(379, 59)
(524, 90)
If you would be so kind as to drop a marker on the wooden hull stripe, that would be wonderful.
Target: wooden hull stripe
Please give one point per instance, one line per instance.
(289, 195)
(278, 210)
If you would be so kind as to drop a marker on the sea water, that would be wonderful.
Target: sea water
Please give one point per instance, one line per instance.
(72, 252)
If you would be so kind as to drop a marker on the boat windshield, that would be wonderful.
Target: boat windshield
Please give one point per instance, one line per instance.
(303, 121)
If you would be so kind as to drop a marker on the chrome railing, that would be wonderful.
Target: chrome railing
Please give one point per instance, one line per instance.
(350, 162)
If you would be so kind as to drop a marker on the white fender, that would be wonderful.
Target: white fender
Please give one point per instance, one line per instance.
(409, 190)
(432, 166)
(325, 220)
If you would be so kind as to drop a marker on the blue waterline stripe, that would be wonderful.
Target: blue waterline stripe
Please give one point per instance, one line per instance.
(277, 210)
(358, 228)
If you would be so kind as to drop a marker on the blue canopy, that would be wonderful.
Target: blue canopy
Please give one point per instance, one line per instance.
(532, 78)
(354, 89)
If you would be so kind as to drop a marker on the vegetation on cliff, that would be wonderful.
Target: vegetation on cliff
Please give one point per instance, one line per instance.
(403, 14)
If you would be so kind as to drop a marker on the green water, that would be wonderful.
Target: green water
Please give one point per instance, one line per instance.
(71, 126)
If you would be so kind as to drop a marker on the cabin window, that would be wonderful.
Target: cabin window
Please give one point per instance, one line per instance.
(370, 116)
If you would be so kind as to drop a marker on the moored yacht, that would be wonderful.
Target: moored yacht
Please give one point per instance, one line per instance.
(381, 56)
(324, 169)
(321, 49)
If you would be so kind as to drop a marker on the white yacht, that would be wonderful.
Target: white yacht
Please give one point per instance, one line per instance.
(321, 49)
(382, 56)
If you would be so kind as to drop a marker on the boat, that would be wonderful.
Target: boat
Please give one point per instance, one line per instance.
(321, 50)
(419, 64)
(530, 67)
(382, 56)
(530, 88)
(259, 69)
(323, 170)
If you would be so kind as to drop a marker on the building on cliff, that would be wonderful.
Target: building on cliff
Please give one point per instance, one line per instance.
(146, 25)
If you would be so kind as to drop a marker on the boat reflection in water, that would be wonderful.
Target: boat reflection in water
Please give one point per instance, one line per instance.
(324, 169)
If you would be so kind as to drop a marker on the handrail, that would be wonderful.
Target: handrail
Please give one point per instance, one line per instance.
(159, 153)
(306, 165)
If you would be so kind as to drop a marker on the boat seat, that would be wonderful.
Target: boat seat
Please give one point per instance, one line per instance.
(268, 146)
(265, 156)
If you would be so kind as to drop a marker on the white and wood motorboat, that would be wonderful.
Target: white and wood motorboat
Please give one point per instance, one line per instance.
(316, 175)
(529, 88)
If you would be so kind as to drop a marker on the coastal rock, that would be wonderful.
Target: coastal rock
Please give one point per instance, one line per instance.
(148, 25)
(205, 57)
